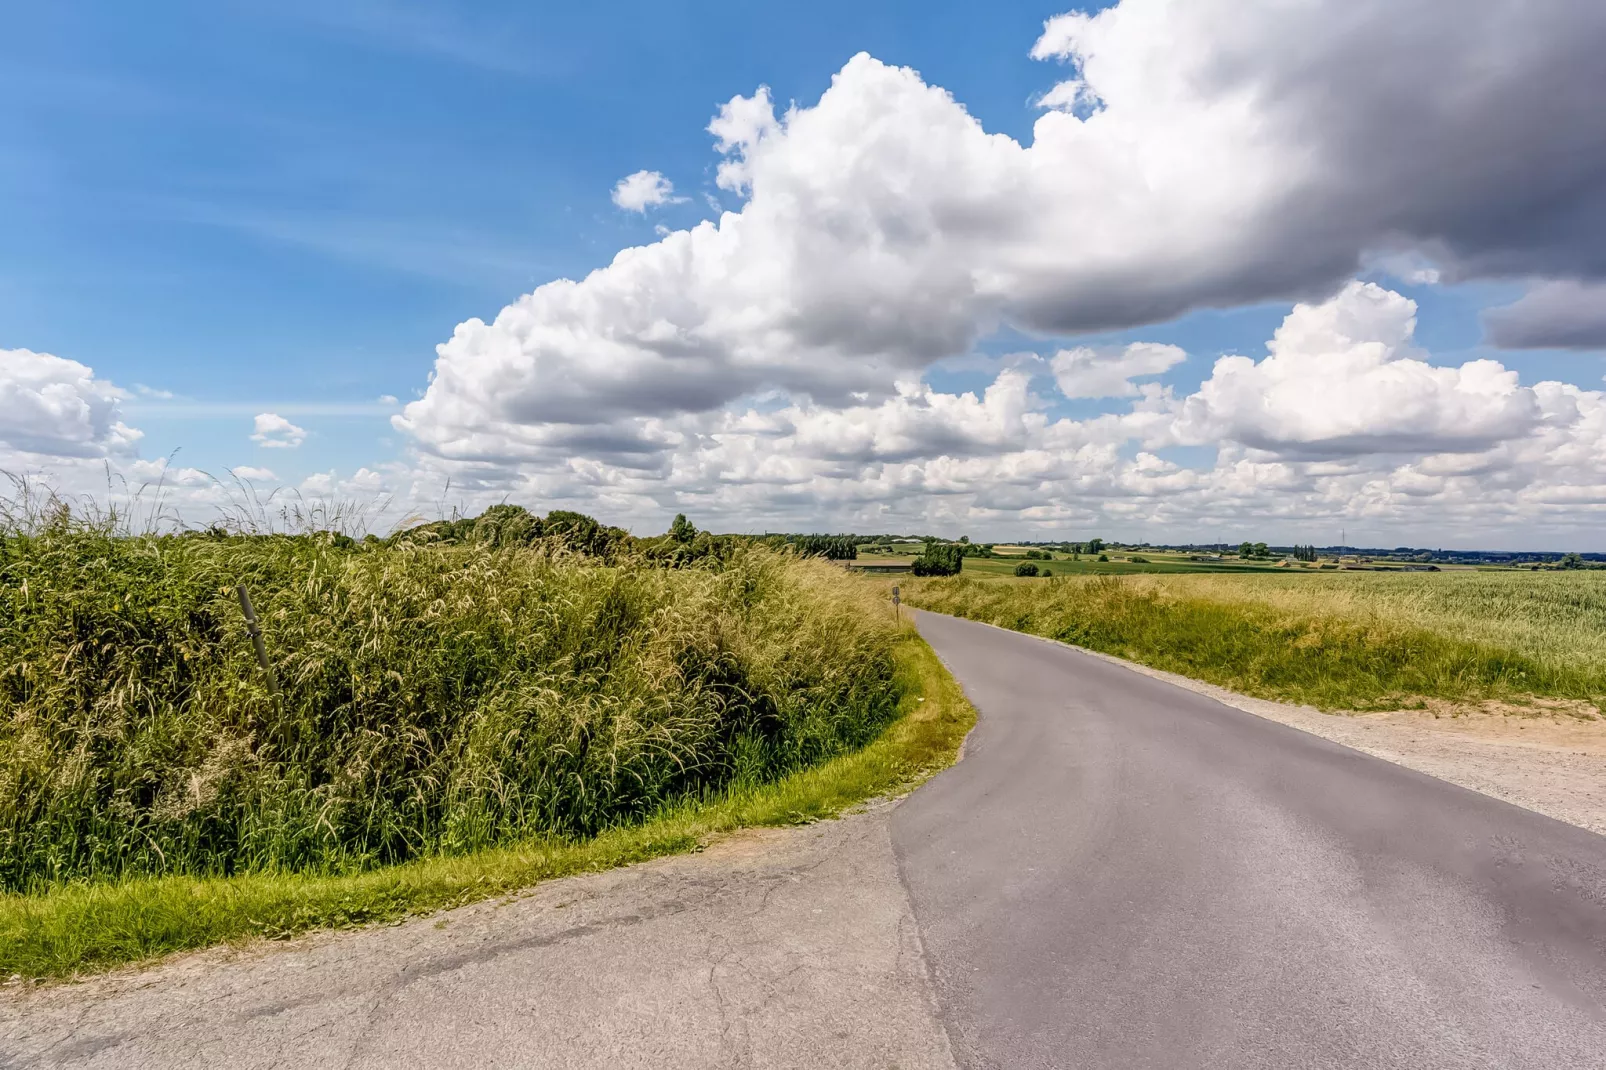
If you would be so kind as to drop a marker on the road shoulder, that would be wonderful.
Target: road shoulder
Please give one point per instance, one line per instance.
(791, 947)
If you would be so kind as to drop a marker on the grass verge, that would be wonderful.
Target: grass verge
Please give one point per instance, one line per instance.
(85, 927)
(1370, 652)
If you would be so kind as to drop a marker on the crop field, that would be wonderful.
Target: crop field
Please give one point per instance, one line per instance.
(1120, 564)
(436, 698)
(1338, 640)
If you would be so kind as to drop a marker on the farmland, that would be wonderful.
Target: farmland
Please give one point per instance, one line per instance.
(1120, 563)
(1338, 640)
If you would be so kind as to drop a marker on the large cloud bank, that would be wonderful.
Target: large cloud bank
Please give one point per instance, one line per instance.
(770, 367)
(1199, 153)
(52, 408)
(1342, 421)
(1207, 152)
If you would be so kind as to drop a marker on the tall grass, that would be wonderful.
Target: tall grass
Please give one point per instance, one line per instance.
(81, 926)
(1365, 641)
(435, 699)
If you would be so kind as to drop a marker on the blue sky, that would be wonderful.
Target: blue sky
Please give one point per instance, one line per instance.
(285, 207)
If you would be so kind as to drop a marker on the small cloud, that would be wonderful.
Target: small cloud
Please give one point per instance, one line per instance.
(387, 399)
(151, 392)
(661, 230)
(643, 190)
(275, 432)
(1086, 372)
(253, 474)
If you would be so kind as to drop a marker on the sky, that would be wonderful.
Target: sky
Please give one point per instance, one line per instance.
(1174, 271)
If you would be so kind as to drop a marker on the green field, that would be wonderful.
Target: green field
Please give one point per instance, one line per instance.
(1064, 565)
(1338, 640)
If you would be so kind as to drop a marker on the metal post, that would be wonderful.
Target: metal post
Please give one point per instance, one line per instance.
(255, 631)
(897, 614)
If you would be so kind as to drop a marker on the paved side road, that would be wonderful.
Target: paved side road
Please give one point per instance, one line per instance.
(778, 948)
(1122, 873)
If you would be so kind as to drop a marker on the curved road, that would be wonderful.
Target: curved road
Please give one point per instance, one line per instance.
(1122, 873)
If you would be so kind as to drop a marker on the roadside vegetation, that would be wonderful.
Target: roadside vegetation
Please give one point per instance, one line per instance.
(85, 926)
(1339, 641)
(461, 709)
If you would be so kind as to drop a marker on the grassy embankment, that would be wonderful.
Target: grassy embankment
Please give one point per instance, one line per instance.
(456, 722)
(1339, 641)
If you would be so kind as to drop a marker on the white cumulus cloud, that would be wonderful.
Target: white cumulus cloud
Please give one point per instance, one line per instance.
(1086, 372)
(1209, 153)
(51, 407)
(643, 190)
(275, 432)
(1344, 421)
(1342, 379)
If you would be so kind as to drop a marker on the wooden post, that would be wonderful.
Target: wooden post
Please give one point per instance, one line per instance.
(897, 614)
(255, 631)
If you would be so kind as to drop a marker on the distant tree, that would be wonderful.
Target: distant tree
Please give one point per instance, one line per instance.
(1026, 568)
(1104, 557)
(939, 559)
(583, 533)
(965, 539)
(830, 547)
(1572, 561)
(1095, 546)
(681, 529)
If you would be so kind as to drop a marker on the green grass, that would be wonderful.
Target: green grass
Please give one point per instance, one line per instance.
(88, 926)
(1003, 567)
(437, 699)
(1063, 565)
(1336, 641)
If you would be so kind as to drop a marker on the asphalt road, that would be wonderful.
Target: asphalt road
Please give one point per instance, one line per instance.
(1121, 873)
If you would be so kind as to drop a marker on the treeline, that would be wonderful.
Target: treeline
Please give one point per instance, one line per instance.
(831, 547)
(681, 546)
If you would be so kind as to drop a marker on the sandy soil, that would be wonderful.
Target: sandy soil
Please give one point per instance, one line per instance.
(1550, 757)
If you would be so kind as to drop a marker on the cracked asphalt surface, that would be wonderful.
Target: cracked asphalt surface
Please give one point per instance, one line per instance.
(774, 948)
(1120, 873)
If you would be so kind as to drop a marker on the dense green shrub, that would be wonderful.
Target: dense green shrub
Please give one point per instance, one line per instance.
(1026, 568)
(443, 690)
(831, 547)
(939, 559)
